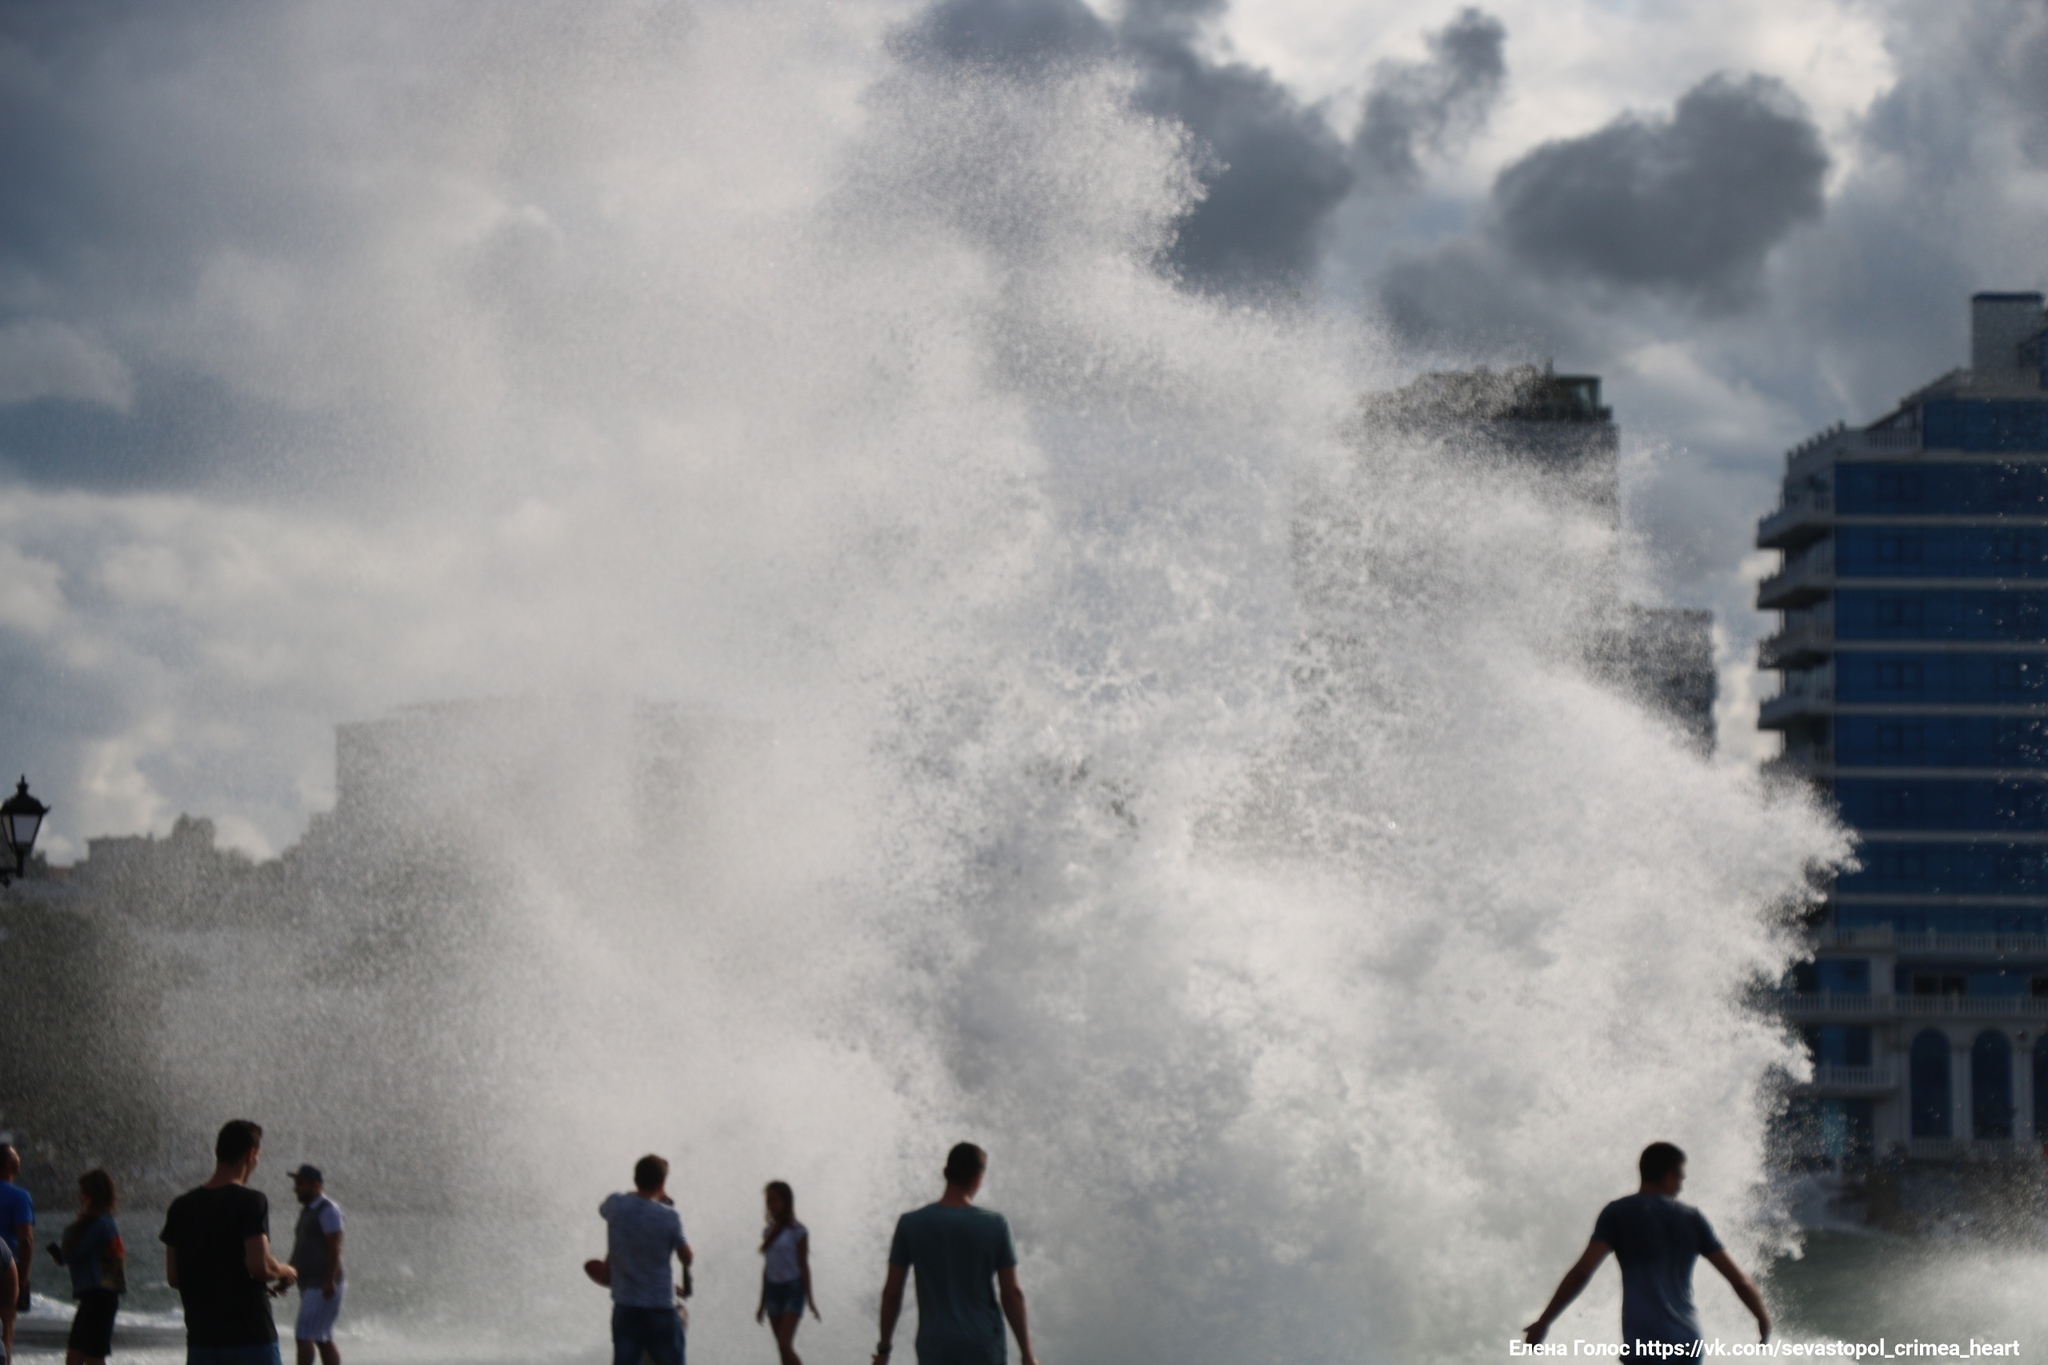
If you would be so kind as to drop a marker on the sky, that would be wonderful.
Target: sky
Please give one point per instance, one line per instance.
(248, 253)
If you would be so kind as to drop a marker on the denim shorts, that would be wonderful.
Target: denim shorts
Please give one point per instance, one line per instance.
(783, 1297)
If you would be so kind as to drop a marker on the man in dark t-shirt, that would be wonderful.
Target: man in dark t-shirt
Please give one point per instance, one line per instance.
(966, 1268)
(1656, 1239)
(217, 1256)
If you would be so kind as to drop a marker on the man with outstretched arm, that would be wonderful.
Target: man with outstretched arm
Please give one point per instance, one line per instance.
(966, 1268)
(1656, 1239)
(217, 1256)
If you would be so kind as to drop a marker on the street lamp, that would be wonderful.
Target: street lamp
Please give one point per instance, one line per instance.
(21, 818)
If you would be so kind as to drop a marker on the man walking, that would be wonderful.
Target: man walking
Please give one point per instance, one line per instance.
(316, 1260)
(217, 1256)
(1656, 1239)
(17, 1222)
(966, 1268)
(642, 1230)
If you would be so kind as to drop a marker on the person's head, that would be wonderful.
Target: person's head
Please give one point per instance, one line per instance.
(1663, 1168)
(781, 1201)
(650, 1174)
(238, 1146)
(10, 1161)
(307, 1183)
(965, 1165)
(96, 1193)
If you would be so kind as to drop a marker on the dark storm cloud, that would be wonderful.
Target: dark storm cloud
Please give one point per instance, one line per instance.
(1272, 168)
(1692, 203)
(1419, 108)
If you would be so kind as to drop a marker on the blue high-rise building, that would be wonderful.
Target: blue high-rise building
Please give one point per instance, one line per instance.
(1913, 648)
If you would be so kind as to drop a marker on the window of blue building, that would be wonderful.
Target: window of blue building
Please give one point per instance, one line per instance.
(1839, 1044)
(1928, 1085)
(2041, 1086)
(1978, 488)
(1991, 1086)
(1967, 679)
(1941, 741)
(1939, 614)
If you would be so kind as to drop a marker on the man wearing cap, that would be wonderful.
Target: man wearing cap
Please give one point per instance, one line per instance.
(316, 1255)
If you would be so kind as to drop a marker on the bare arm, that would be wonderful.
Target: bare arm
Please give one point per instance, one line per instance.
(26, 1257)
(10, 1291)
(264, 1266)
(1745, 1289)
(1012, 1295)
(803, 1264)
(892, 1309)
(333, 1280)
(1569, 1288)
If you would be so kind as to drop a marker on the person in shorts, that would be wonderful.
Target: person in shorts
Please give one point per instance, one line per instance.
(217, 1256)
(642, 1230)
(1656, 1239)
(966, 1268)
(91, 1250)
(17, 1220)
(316, 1256)
(785, 1271)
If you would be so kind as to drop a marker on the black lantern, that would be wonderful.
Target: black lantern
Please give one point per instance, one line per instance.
(21, 819)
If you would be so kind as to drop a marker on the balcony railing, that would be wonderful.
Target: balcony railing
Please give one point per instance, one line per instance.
(1803, 634)
(1882, 1076)
(1804, 577)
(1884, 937)
(1838, 442)
(1972, 1149)
(1862, 1006)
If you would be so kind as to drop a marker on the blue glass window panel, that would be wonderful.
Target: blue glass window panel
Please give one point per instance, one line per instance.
(1940, 614)
(2007, 424)
(2000, 981)
(1942, 919)
(1940, 552)
(1969, 679)
(1928, 1084)
(1843, 976)
(1839, 1044)
(1941, 742)
(1991, 1107)
(1937, 490)
(1950, 869)
(1937, 803)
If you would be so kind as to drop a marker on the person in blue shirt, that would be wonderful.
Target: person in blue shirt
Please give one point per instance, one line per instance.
(966, 1267)
(642, 1231)
(17, 1219)
(1656, 1239)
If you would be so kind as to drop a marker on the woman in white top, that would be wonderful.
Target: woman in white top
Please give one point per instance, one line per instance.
(785, 1271)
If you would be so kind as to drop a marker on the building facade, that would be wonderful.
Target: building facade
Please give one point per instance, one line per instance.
(1556, 423)
(1913, 651)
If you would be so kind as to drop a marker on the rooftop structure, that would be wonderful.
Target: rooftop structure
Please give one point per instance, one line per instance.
(1913, 650)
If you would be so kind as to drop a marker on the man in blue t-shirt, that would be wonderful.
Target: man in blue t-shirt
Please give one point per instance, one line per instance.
(966, 1268)
(1656, 1239)
(642, 1230)
(17, 1219)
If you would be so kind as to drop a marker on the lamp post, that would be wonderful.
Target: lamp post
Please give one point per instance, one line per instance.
(21, 819)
